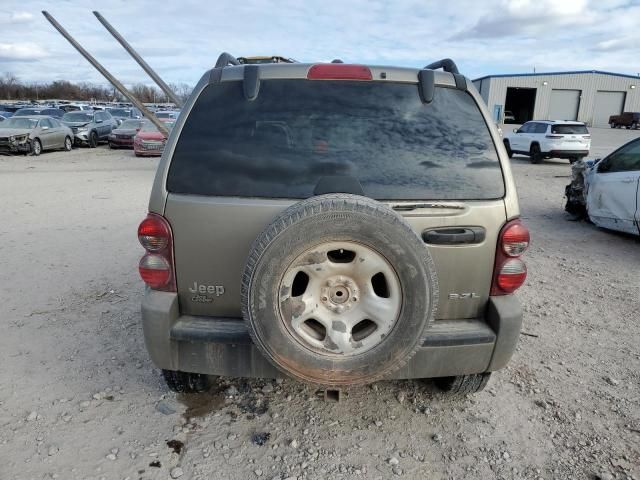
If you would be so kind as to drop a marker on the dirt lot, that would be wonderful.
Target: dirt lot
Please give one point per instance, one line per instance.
(79, 398)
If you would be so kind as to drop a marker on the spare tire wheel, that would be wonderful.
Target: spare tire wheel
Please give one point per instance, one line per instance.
(339, 290)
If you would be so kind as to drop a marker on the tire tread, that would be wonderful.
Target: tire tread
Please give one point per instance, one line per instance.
(323, 204)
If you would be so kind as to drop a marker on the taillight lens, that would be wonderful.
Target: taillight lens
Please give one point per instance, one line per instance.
(515, 239)
(510, 272)
(153, 234)
(339, 71)
(154, 270)
(512, 275)
(156, 266)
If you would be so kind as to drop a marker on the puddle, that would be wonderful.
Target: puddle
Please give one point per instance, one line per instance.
(246, 401)
(201, 404)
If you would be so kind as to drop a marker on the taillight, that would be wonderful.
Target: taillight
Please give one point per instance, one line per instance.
(338, 71)
(156, 266)
(510, 272)
(515, 239)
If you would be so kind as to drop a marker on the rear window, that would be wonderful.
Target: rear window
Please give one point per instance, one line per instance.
(77, 117)
(298, 132)
(569, 129)
(117, 112)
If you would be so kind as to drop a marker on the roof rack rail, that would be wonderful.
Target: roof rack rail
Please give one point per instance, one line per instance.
(265, 59)
(446, 64)
(226, 59)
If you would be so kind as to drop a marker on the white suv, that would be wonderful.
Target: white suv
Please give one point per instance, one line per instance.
(541, 139)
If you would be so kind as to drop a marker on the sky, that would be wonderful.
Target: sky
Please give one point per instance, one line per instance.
(182, 39)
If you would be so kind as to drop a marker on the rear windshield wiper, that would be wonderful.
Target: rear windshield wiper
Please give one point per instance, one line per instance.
(407, 207)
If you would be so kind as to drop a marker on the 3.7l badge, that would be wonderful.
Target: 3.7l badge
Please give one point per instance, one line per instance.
(463, 296)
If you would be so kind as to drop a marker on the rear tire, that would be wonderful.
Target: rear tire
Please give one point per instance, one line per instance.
(634, 126)
(535, 153)
(68, 144)
(463, 384)
(507, 145)
(93, 140)
(612, 125)
(184, 382)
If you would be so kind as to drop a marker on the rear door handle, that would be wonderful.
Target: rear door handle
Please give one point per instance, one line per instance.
(454, 236)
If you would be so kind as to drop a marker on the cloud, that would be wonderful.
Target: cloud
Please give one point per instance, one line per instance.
(11, 18)
(528, 17)
(181, 40)
(27, 52)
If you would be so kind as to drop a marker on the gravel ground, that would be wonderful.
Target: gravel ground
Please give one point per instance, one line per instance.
(79, 398)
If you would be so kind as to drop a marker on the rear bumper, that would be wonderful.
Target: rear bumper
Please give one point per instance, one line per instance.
(121, 142)
(222, 346)
(567, 153)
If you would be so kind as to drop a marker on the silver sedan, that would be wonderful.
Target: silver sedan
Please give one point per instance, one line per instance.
(33, 134)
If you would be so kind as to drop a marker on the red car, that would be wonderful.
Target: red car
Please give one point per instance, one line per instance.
(149, 142)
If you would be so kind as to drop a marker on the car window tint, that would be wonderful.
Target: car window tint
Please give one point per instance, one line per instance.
(540, 128)
(296, 134)
(627, 159)
(526, 127)
(569, 129)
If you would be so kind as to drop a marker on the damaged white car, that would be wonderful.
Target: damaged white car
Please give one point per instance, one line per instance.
(607, 191)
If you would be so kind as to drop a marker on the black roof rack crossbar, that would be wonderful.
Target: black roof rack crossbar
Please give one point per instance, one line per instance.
(225, 59)
(446, 64)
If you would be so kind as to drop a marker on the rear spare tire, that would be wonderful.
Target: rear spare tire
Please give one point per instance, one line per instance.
(339, 290)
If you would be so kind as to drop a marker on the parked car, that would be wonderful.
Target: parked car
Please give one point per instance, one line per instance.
(509, 117)
(167, 114)
(74, 107)
(607, 191)
(90, 127)
(33, 134)
(542, 139)
(122, 137)
(10, 108)
(613, 190)
(27, 111)
(122, 114)
(149, 141)
(626, 119)
(282, 241)
(6, 114)
(53, 112)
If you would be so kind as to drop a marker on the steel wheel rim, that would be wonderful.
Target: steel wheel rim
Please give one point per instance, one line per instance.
(340, 298)
(67, 143)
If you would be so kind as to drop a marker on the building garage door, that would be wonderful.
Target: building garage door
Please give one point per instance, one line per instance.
(564, 104)
(607, 103)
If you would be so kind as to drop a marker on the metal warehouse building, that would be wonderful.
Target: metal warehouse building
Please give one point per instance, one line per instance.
(587, 96)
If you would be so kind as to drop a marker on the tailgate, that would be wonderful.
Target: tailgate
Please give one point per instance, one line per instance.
(213, 236)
